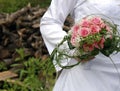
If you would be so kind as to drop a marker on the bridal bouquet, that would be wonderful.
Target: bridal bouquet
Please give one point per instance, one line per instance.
(88, 37)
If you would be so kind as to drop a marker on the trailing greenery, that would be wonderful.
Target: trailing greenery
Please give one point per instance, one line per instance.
(34, 74)
(9, 6)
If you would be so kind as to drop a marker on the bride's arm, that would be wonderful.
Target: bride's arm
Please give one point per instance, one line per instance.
(52, 22)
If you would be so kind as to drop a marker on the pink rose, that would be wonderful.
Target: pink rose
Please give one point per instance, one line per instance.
(108, 28)
(75, 28)
(85, 23)
(96, 20)
(95, 29)
(91, 47)
(101, 43)
(84, 32)
(96, 45)
(73, 39)
(87, 47)
(103, 25)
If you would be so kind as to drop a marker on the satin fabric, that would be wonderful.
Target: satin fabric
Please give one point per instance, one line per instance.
(99, 74)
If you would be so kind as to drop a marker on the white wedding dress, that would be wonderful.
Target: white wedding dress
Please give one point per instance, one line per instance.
(99, 74)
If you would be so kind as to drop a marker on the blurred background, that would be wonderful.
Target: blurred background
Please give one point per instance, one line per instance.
(13, 5)
(25, 63)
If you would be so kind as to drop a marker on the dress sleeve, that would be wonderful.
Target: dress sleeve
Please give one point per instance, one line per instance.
(52, 22)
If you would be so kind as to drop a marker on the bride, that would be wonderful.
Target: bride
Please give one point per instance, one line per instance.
(98, 74)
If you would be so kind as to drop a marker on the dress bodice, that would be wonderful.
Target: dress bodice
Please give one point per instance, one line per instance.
(109, 8)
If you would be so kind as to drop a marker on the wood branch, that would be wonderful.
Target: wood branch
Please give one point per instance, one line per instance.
(11, 18)
(40, 12)
(37, 25)
(34, 8)
(4, 53)
(66, 28)
(26, 24)
(8, 62)
(2, 21)
(7, 75)
(2, 15)
(17, 14)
